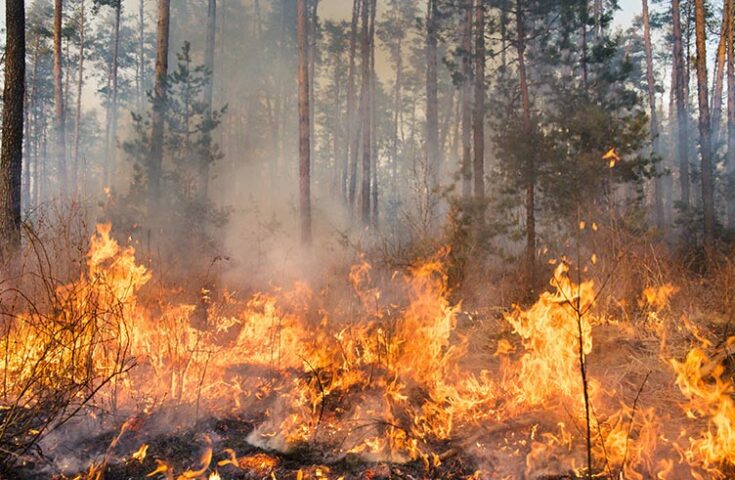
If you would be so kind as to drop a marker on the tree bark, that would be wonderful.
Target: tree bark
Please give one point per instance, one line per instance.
(479, 111)
(59, 120)
(466, 101)
(141, 55)
(705, 145)
(730, 158)
(530, 167)
(718, 81)
(372, 119)
(208, 90)
(80, 88)
(350, 173)
(651, 83)
(681, 105)
(304, 149)
(111, 140)
(159, 105)
(365, 115)
(432, 102)
(11, 151)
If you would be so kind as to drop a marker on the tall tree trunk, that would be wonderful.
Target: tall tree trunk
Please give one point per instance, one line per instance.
(350, 172)
(80, 87)
(708, 195)
(304, 149)
(466, 101)
(159, 105)
(730, 6)
(479, 112)
(11, 151)
(372, 119)
(111, 140)
(365, 114)
(651, 83)
(208, 91)
(681, 104)
(313, 24)
(718, 81)
(396, 114)
(432, 101)
(530, 167)
(141, 55)
(59, 120)
(29, 128)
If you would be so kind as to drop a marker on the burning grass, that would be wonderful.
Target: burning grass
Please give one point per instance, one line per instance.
(392, 380)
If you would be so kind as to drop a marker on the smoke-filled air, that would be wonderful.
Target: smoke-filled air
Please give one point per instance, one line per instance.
(367, 239)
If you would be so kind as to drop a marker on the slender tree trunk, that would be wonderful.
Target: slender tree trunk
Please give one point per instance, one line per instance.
(479, 112)
(304, 149)
(658, 194)
(350, 173)
(432, 102)
(80, 87)
(466, 101)
(159, 105)
(708, 196)
(29, 128)
(718, 81)
(530, 170)
(111, 147)
(396, 114)
(141, 55)
(681, 105)
(208, 91)
(59, 120)
(365, 114)
(313, 53)
(730, 7)
(372, 119)
(11, 151)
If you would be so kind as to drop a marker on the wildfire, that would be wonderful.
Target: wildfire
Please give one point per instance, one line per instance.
(381, 378)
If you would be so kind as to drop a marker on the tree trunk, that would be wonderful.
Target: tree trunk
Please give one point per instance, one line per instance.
(396, 115)
(479, 112)
(432, 102)
(718, 81)
(141, 55)
(80, 87)
(681, 105)
(708, 196)
(111, 140)
(365, 114)
(658, 194)
(59, 120)
(304, 149)
(159, 105)
(29, 129)
(466, 101)
(350, 172)
(372, 119)
(208, 91)
(530, 167)
(312, 52)
(730, 6)
(11, 151)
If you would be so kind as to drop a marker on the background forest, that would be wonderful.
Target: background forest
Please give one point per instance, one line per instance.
(495, 126)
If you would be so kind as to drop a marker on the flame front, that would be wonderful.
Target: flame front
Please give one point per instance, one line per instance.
(382, 376)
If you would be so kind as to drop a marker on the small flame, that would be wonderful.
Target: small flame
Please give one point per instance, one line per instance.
(141, 453)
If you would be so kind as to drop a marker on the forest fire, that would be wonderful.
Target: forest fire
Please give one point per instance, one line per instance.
(387, 380)
(367, 239)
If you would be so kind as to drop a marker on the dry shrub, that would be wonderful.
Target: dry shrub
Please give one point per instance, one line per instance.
(62, 341)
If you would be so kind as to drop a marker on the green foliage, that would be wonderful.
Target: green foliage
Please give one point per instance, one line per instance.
(189, 151)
